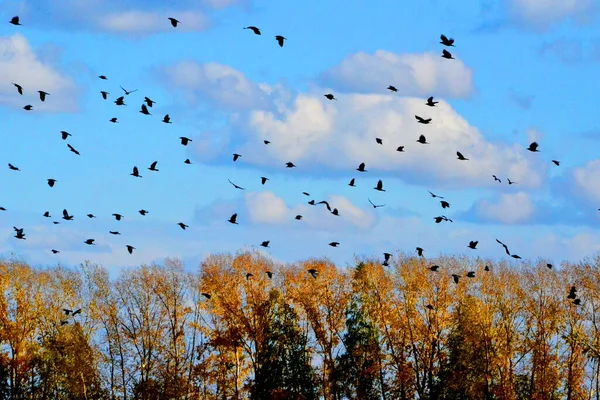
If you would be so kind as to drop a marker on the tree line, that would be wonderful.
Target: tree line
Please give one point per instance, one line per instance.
(245, 327)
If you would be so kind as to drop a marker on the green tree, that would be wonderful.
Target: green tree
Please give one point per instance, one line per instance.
(285, 369)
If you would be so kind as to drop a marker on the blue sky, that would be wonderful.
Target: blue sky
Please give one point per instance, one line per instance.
(523, 71)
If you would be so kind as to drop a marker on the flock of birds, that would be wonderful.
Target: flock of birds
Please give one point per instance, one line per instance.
(148, 103)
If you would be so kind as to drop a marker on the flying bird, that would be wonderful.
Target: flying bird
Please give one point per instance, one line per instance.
(113, 120)
(149, 101)
(329, 96)
(143, 212)
(557, 163)
(313, 272)
(444, 204)
(127, 92)
(265, 243)
(423, 120)
(167, 119)
(455, 277)
(430, 102)
(379, 186)
(73, 149)
(505, 247)
(422, 140)
(233, 219)
(446, 54)
(533, 147)
(376, 205)
(66, 215)
(117, 216)
(130, 248)
(182, 225)
(254, 29)
(12, 167)
(298, 217)
(104, 94)
(236, 156)
(280, 40)
(400, 149)
(496, 178)
(435, 195)
(51, 182)
(43, 95)
(473, 244)
(461, 157)
(144, 110)
(89, 241)
(185, 141)
(15, 20)
(19, 88)
(136, 173)
(334, 244)
(447, 41)
(379, 141)
(19, 233)
(419, 251)
(352, 183)
(174, 22)
(263, 180)
(64, 135)
(392, 88)
(102, 77)
(28, 107)
(114, 232)
(120, 101)
(236, 186)
(153, 166)
(361, 168)
(187, 161)
(289, 164)
(510, 182)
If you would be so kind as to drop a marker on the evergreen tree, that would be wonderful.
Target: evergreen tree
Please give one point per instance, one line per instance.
(284, 362)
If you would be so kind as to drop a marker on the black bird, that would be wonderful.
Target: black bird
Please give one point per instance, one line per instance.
(549, 266)
(144, 110)
(280, 40)
(90, 216)
(51, 182)
(136, 173)
(78, 311)
(120, 101)
(496, 178)
(533, 147)
(379, 186)
(19, 233)
(422, 140)
(335, 212)
(187, 161)
(143, 212)
(376, 205)
(446, 54)
(557, 163)
(486, 268)
(263, 180)
(153, 166)
(392, 88)
(182, 225)
(572, 293)
(66, 215)
(102, 77)
(113, 120)
(306, 194)
(577, 302)
(265, 243)
(419, 251)
(461, 157)
(174, 22)
(455, 277)
(104, 94)
(269, 274)
(430, 102)
(73, 149)
(28, 107)
(447, 42)
(434, 268)
(471, 274)
(361, 168)
(313, 272)
(149, 101)
(386, 257)
(185, 141)
(515, 256)
(236, 156)
(505, 247)
(64, 135)
(298, 217)
(289, 164)
(89, 241)
(254, 29)
(15, 20)
(444, 204)
(435, 195)
(55, 251)
(118, 217)
(249, 275)
(19, 88)
(43, 95)
(473, 244)
(130, 248)
(127, 92)
(47, 214)
(326, 204)
(167, 119)
(2, 209)
(352, 182)
(266, 142)
(334, 244)
(329, 96)
(10, 166)
(114, 232)
(233, 219)
(423, 120)
(379, 141)
(400, 149)
(236, 186)
(510, 182)
(206, 295)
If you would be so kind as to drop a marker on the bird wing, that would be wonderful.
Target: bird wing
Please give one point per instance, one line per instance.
(444, 38)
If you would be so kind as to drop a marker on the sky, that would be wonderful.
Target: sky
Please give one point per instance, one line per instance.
(524, 71)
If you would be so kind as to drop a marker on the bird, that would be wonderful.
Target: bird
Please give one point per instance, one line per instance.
(289, 164)
(64, 135)
(471, 274)
(496, 178)
(174, 22)
(120, 101)
(263, 180)
(15, 20)
(461, 157)
(376, 205)
(89, 241)
(47, 214)
(104, 94)
(266, 142)
(473, 244)
(326, 204)
(55, 251)
(19, 88)
(434, 268)
(19, 233)
(114, 232)
(143, 212)
(149, 102)
(572, 293)
(114, 120)
(455, 277)
(446, 54)
(249, 275)
(130, 248)
(269, 274)
(444, 204)
(280, 40)
(435, 195)
(420, 251)
(206, 295)
(577, 302)
(515, 256)
(127, 92)
(236, 186)
(486, 268)
(379, 186)
(265, 243)
(334, 244)
(233, 219)
(422, 120)
(12, 167)
(361, 168)
(447, 41)
(430, 102)
(298, 217)
(379, 141)
(510, 182)
(429, 306)
(254, 29)
(335, 212)
(330, 96)
(185, 141)
(66, 215)
(167, 119)
(549, 266)
(117, 216)
(74, 313)
(236, 156)
(557, 163)
(153, 166)
(313, 272)
(182, 225)
(90, 216)
(400, 149)
(43, 95)
(352, 183)
(422, 140)
(392, 88)
(103, 77)
(505, 247)
(187, 161)
(136, 173)
(28, 107)
(533, 147)
(73, 149)
(386, 257)
(51, 182)
(144, 110)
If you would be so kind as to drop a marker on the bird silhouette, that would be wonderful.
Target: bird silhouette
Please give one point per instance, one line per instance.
(51, 182)
(15, 20)
(400, 149)
(533, 147)
(379, 186)
(254, 29)
(376, 205)
(90, 241)
(280, 40)
(185, 141)
(473, 244)
(430, 102)
(444, 204)
(130, 248)
(43, 95)
(66, 215)
(144, 110)
(128, 92)
(19, 88)
(182, 225)
(28, 107)
(496, 178)
(435, 195)
(265, 243)
(104, 94)
(236, 156)
(167, 119)
(117, 216)
(289, 164)
(313, 272)
(73, 149)
(64, 135)
(446, 54)
(153, 166)
(352, 182)
(361, 168)
(422, 120)
(174, 22)
(461, 157)
(236, 186)
(392, 88)
(330, 96)
(422, 140)
(136, 173)
(446, 41)
(557, 163)
(379, 141)
(334, 244)
(263, 180)
(233, 219)
(420, 251)
(143, 212)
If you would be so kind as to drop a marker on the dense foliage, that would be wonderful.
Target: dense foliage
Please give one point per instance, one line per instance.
(364, 332)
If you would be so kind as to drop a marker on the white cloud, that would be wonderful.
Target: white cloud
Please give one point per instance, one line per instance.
(508, 209)
(541, 14)
(143, 22)
(423, 74)
(266, 207)
(20, 64)
(587, 180)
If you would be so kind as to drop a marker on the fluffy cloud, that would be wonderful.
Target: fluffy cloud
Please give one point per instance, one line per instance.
(586, 181)
(19, 64)
(540, 14)
(507, 209)
(424, 74)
